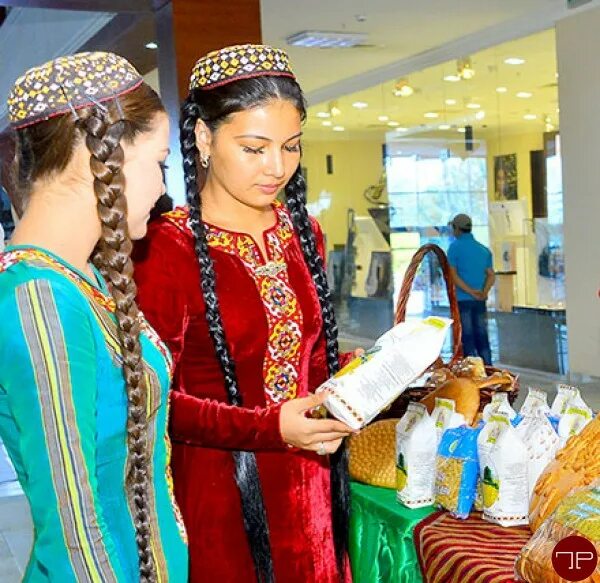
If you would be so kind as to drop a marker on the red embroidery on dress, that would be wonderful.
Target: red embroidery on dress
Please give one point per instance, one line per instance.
(284, 317)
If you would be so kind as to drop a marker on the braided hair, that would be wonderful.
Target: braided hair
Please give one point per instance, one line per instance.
(104, 129)
(213, 108)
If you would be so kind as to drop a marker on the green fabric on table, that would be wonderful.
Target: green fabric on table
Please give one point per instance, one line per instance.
(381, 537)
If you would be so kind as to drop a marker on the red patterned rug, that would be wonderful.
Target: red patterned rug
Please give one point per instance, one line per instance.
(467, 551)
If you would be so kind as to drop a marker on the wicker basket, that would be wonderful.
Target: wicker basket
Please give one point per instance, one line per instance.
(398, 408)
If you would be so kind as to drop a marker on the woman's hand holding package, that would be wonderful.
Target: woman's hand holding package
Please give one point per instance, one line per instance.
(321, 435)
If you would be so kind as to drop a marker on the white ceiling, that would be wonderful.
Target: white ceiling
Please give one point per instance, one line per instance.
(406, 35)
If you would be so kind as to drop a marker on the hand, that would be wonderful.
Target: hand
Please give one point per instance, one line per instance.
(478, 295)
(358, 352)
(300, 431)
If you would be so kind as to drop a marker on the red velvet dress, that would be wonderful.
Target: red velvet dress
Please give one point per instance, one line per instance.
(273, 325)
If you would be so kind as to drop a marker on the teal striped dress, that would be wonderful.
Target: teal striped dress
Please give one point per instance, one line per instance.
(63, 416)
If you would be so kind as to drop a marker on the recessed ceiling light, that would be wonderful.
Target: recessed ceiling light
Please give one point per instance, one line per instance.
(151, 45)
(514, 61)
(530, 116)
(360, 104)
(383, 118)
(452, 78)
(474, 105)
(327, 123)
(501, 89)
(323, 114)
(524, 94)
(400, 129)
(339, 129)
(326, 40)
(432, 114)
(393, 124)
(461, 130)
(450, 102)
(480, 115)
(444, 126)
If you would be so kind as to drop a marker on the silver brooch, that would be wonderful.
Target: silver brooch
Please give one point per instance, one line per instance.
(270, 269)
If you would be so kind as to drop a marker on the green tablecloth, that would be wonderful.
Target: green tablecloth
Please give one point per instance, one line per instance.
(381, 541)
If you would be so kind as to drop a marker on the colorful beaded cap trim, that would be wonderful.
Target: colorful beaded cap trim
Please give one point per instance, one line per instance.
(69, 83)
(239, 62)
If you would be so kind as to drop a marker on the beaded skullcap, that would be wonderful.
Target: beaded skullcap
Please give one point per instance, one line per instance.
(239, 62)
(67, 84)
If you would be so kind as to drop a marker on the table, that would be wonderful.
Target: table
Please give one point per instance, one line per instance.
(381, 537)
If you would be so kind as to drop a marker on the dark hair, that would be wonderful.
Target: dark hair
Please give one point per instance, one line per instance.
(213, 107)
(46, 148)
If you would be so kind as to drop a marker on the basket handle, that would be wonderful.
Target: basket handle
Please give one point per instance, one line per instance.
(407, 284)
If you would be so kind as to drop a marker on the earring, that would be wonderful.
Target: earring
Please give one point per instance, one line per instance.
(204, 160)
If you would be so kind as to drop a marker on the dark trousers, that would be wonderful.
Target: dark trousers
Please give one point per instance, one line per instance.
(473, 317)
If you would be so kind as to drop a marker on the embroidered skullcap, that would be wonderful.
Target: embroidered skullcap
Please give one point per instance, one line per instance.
(69, 83)
(239, 62)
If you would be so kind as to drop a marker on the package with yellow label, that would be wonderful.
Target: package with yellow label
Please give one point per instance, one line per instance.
(366, 386)
(503, 460)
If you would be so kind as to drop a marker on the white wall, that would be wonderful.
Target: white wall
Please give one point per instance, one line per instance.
(578, 47)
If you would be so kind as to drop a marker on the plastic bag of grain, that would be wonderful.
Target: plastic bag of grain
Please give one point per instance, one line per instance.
(503, 462)
(576, 416)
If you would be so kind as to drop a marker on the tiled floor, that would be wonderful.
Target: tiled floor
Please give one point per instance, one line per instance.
(15, 521)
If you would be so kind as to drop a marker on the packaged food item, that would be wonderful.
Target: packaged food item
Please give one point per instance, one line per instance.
(503, 461)
(564, 393)
(499, 405)
(576, 515)
(576, 416)
(541, 442)
(366, 386)
(576, 465)
(445, 417)
(456, 470)
(536, 400)
(416, 444)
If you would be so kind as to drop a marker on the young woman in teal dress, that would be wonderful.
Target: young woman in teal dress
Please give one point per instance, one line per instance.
(83, 378)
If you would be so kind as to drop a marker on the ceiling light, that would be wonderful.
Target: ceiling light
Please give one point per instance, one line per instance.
(151, 45)
(334, 110)
(323, 114)
(461, 130)
(403, 89)
(339, 128)
(450, 101)
(549, 127)
(400, 129)
(326, 40)
(530, 116)
(501, 89)
(464, 68)
(514, 61)
(444, 126)
(383, 118)
(393, 124)
(327, 123)
(360, 104)
(480, 115)
(473, 105)
(524, 94)
(432, 114)
(452, 78)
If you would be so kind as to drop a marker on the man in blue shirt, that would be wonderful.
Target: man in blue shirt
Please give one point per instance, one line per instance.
(473, 273)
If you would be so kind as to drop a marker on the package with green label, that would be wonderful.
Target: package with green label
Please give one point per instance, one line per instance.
(366, 386)
(536, 400)
(499, 404)
(576, 416)
(564, 393)
(503, 460)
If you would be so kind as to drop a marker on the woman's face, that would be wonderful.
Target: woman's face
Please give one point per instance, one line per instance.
(142, 168)
(254, 153)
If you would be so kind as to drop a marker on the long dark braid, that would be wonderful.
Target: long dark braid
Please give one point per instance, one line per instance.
(246, 467)
(295, 191)
(103, 139)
